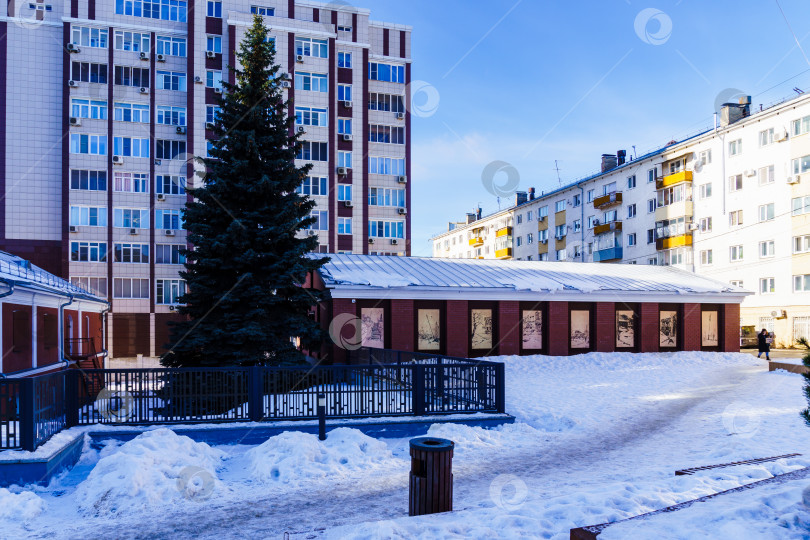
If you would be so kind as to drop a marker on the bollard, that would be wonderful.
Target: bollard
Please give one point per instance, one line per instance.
(431, 478)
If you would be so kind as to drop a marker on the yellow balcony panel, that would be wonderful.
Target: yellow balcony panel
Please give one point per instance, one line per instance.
(503, 231)
(674, 242)
(606, 201)
(505, 253)
(675, 210)
(673, 179)
(476, 241)
(607, 227)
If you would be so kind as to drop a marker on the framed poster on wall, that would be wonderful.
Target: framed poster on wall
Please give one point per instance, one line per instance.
(668, 329)
(372, 327)
(625, 329)
(532, 329)
(429, 329)
(480, 329)
(580, 329)
(709, 331)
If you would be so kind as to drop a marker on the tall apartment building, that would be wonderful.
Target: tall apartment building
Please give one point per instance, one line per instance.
(104, 105)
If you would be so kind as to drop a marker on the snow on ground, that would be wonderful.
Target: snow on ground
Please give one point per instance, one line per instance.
(597, 438)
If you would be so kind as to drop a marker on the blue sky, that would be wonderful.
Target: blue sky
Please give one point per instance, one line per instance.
(529, 82)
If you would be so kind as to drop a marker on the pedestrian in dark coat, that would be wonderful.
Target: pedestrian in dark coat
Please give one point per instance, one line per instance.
(763, 339)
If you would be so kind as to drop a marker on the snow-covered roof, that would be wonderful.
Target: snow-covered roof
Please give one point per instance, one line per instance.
(25, 275)
(358, 276)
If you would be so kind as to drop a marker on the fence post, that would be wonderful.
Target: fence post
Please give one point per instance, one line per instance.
(26, 418)
(255, 397)
(418, 395)
(500, 387)
(71, 382)
(440, 380)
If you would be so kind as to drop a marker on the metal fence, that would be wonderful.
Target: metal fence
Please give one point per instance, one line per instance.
(387, 383)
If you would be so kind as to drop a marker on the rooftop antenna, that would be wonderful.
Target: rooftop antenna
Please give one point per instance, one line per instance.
(798, 90)
(557, 168)
(635, 154)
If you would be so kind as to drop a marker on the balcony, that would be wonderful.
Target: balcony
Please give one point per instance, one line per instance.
(673, 179)
(505, 253)
(503, 231)
(609, 254)
(476, 241)
(607, 227)
(674, 242)
(674, 210)
(608, 200)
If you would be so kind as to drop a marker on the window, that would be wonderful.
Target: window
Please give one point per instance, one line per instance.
(631, 211)
(631, 182)
(386, 72)
(85, 36)
(168, 219)
(801, 126)
(88, 180)
(766, 249)
(131, 41)
(735, 253)
(706, 257)
(530, 238)
(559, 206)
(88, 108)
(95, 145)
(169, 184)
(736, 283)
(169, 291)
(528, 215)
(801, 244)
(577, 252)
(671, 257)
(169, 254)
(130, 218)
(344, 159)
(590, 194)
(673, 195)
(561, 255)
(386, 197)
(344, 28)
(166, 149)
(386, 134)
(213, 44)
(801, 164)
(130, 76)
(652, 262)
(766, 137)
(344, 92)
(765, 175)
(171, 116)
(344, 59)
(560, 231)
(705, 191)
(801, 283)
(131, 253)
(669, 228)
(706, 224)
(767, 285)
(308, 116)
(311, 47)
(542, 212)
(310, 82)
(577, 225)
(171, 46)
(519, 219)
(130, 288)
(380, 228)
(88, 216)
(675, 166)
(609, 188)
(171, 80)
(129, 147)
(705, 157)
(610, 216)
(735, 183)
(542, 236)
(212, 113)
(313, 185)
(577, 200)
(651, 206)
(213, 79)
(129, 182)
(631, 239)
(344, 225)
(800, 205)
(97, 286)
(344, 126)
(650, 236)
(518, 241)
(167, 10)
(735, 147)
(321, 220)
(89, 72)
(542, 257)
(131, 112)
(313, 151)
(263, 11)
(386, 165)
(591, 222)
(735, 218)
(766, 212)
(214, 9)
(344, 192)
(651, 175)
(88, 251)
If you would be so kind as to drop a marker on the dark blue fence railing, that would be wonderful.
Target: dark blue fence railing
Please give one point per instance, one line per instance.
(376, 383)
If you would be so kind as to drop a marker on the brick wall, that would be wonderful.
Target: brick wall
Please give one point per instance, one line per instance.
(605, 326)
(648, 327)
(508, 328)
(691, 327)
(402, 325)
(558, 328)
(731, 328)
(458, 328)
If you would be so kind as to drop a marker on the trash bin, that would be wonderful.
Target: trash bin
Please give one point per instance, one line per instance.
(431, 478)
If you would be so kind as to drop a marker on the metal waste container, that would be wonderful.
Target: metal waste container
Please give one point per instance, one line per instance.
(431, 478)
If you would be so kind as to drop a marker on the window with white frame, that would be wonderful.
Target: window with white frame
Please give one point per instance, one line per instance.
(171, 116)
(313, 151)
(735, 183)
(171, 46)
(591, 222)
(131, 112)
(130, 218)
(212, 112)
(131, 41)
(344, 59)
(313, 185)
(383, 228)
(95, 285)
(518, 241)
(706, 224)
(800, 205)
(706, 258)
(87, 180)
(166, 10)
(130, 182)
(766, 212)
(170, 184)
(631, 182)
(168, 219)
(542, 257)
(93, 109)
(705, 191)
(344, 225)
(704, 157)
(559, 206)
(801, 283)
(609, 188)
(650, 236)
(85, 36)
(528, 215)
(736, 283)
(310, 116)
(171, 80)
(214, 9)
(589, 195)
(131, 253)
(577, 225)
(735, 253)
(134, 288)
(766, 249)
(562, 255)
(800, 165)
(344, 126)
(651, 205)
(95, 145)
(542, 212)
(801, 244)
(344, 192)
(560, 231)
(577, 200)
(344, 159)
(386, 165)
(169, 254)
(213, 79)
(88, 251)
(766, 137)
(131, 147)
(169, 291)
(735, 147)
(311, 82)
(263, 11)
(344, 92)
(530, 238)
(652, 174)
(800, 126)
(735, 218)
(631, 239)
(321, 222)
(213, 44)
(765, 175)
(386, 197)
(317, 48)
(542, 236)
(88, 216)
(631, 211)
(767, 285)
(378, 71)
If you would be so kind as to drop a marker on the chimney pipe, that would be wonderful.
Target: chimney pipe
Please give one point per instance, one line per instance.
(608, 162)
(621, 157)
(531, 193)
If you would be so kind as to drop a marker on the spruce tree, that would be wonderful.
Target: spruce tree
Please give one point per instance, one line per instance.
(245, 301)
(806, 361)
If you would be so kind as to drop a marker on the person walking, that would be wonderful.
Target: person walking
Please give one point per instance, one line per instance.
(763, 342)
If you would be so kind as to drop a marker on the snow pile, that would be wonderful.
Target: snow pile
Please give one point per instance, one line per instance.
(476, 442)
(20, 506)
(293, 457)
(154, 469)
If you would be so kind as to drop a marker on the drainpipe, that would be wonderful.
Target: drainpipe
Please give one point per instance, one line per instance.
(62, 331)
(9, 292)
(582, 221)
(104, 312)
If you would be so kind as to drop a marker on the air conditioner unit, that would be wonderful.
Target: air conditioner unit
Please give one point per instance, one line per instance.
(347, 104)
(299, 58)
(596, 222)
(210, 54)
(73, 84)
(394, 241)
(133, 231)
(74, 121)
(402, 211)
(144, 90)
(161, 58)
(370, 240)
(301, 129)
(311, 233)
(544, 241)
(342, 171)
(118, 160)
(780, 136)
(172, 307)
(402, 179)
(73, 229)
(180, 130)
(158, 162)
(198, 80)
(144, 56)
(694, 226)
(348, 204)
(169, 232)
(209, 125)
(285, 84)
(217, 90)
(751, 172)
(161, 197)
(72, 48)
(347, 137)
(400, 116)
(793, 179)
